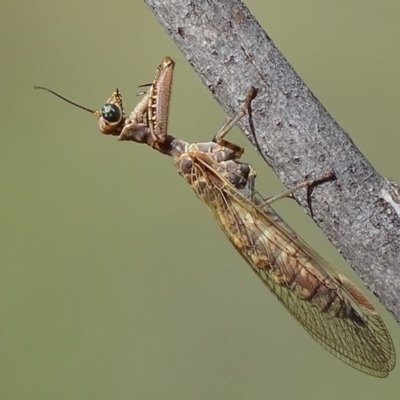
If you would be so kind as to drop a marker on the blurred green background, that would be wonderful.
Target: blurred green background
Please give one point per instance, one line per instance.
(115, 281)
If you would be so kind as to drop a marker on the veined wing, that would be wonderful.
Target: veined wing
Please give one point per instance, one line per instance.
(331, 309)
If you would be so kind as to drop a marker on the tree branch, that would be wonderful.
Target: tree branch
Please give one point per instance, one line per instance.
(360, 211)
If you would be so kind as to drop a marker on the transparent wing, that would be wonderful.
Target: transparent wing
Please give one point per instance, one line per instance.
(331, 309)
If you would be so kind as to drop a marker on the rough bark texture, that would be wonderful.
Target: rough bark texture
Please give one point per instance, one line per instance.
(360, 210)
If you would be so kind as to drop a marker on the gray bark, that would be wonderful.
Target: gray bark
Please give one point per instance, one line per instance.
(359, 211)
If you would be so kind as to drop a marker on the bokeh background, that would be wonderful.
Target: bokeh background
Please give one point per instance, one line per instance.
(115, 282)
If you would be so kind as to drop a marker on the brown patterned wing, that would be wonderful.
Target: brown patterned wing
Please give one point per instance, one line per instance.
(331, 309)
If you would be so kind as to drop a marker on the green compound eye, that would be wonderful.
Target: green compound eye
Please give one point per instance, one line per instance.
(111, 113)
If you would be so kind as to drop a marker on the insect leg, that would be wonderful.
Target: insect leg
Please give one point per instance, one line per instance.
(140, 110)
(231, 122)
(289, 192)
(134, 128)
(250, 189)
(159, 99)
(154, 105)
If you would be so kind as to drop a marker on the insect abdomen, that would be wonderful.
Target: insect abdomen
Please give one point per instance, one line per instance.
(281, 261)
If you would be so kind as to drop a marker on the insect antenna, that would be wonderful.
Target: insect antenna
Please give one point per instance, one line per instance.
(68, 101)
